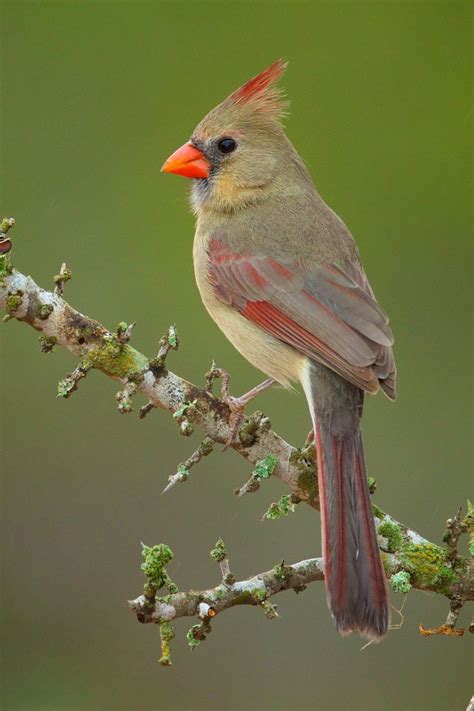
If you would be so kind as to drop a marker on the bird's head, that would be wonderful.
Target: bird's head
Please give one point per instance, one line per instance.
(237, 151)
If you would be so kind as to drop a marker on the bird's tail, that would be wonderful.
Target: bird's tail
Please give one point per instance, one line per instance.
(355, 580)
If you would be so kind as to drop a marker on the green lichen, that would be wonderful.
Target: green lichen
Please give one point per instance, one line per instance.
(392, 532)
(47, 343)
(260, 595)
(280, 508)
(184, 415)
(13, 303)
(400, 582)
(124, 401)
(252, 426)
(156, 558)
(5, 267)
(265, 467)
(65, 387)
(173, 341)
(281, 571)
(428, 566)
(166, 635)
(45, 310)
(245, 597)
(191, 636)
(269, 609)
(378, 513)
(183, 472)
(389, 562)
(372, 484)
(220, 593)
(219, 553)
(116, 359)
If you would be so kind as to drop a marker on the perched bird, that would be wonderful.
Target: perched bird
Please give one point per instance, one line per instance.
(281, 275)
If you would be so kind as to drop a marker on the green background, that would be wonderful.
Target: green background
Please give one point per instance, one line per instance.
(95, 96)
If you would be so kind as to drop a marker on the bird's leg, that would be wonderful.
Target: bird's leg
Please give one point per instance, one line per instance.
(237, 405)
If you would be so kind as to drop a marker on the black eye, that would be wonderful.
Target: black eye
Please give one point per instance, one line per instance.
(227, 145)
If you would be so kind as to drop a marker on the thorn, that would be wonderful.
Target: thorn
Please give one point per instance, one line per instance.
(173, 480)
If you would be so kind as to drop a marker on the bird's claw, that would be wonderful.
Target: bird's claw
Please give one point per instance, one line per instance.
(236, 405)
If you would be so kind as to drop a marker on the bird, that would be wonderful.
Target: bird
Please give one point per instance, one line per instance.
(281, 275)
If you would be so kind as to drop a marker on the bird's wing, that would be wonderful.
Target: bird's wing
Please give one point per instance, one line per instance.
(319, 311)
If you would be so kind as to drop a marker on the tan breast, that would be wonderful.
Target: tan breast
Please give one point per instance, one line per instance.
(263, 351)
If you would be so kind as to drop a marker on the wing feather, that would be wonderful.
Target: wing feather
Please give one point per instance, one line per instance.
(320, 311)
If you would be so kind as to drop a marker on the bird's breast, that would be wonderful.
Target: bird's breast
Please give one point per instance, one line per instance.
(266, 353)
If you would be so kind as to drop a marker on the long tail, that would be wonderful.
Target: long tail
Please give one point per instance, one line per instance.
(355, 580)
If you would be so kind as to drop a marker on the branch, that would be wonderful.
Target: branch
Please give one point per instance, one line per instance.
(409, 560)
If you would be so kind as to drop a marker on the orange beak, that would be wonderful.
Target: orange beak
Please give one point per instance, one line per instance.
(188, 161)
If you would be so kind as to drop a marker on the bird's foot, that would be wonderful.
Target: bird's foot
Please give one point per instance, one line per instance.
(237, 405)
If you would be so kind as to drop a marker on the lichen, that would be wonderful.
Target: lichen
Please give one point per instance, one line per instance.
(269, 609)
(116, 359)
(172, 336)
(265, 467)
(191, 636)
(252, 427)
(5, 267)
(282, 571)
(280, 508)
(156, 558)
(219, 553)
(13, 302)
(393, 534)
(260, 595)
(378, 513)
(428, 565)
(220, 593)
(184, 415)
(372, 484)
(47, 343)
(304, 461)
(166, 635)
(44, 311)
(400, 582)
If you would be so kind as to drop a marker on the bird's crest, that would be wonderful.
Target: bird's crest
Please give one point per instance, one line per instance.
(258, 102)
(261, 90)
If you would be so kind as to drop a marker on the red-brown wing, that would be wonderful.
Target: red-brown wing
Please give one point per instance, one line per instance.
(321, 312)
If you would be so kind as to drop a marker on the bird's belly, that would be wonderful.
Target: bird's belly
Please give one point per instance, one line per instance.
(266, 353)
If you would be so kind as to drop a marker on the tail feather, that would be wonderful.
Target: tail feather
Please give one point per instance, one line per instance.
(355, 580)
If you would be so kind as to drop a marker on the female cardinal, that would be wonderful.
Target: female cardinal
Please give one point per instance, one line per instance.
(281, 275)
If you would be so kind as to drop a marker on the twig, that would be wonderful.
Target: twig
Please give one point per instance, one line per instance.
(205, 448)
(425, 565)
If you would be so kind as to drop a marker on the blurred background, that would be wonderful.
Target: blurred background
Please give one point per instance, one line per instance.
(95, 96)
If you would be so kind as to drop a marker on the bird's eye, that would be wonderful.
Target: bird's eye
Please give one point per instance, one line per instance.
(227, 145)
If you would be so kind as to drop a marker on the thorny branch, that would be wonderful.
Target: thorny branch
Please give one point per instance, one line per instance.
(410, 561)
